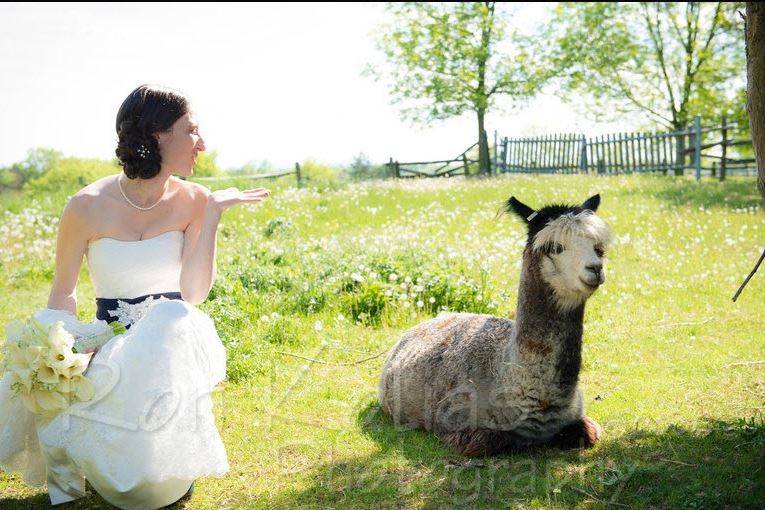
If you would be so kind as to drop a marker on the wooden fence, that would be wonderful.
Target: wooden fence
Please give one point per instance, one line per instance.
(296, 172)
(619, 153)
(459, 165)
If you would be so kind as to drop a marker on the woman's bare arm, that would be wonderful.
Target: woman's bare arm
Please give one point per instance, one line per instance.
(71, 244)
(198, 269)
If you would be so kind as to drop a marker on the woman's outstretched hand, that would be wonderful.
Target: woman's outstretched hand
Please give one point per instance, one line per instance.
(220, 200)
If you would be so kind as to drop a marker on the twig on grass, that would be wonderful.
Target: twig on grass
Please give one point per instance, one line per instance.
(756, 267)
(677, 462)
(685, 323)
(302, 357)
(357, 362)
(744, 363)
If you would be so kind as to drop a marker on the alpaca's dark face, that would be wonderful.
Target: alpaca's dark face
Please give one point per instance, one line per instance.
(570, 242)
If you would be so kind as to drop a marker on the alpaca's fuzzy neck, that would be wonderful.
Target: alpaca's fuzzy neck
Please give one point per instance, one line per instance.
(545, 335)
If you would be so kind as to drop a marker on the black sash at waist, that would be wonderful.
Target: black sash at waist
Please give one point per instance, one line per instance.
(105, 305)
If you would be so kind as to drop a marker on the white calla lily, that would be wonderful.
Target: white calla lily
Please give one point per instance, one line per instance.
(59, 339)
(33, 356)
(82, 388)
(14, 355)
(50, 401)
(23, 377)
(14, 331)
(60, 362)
(46, 373)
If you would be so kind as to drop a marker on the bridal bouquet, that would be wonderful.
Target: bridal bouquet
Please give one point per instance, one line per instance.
(47, 363)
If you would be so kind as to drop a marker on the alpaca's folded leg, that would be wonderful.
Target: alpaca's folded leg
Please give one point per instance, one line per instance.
(481, 442)
(580, 434)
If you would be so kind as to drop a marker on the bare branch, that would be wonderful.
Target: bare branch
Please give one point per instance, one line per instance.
(712, 32)
(658, 41)
(691, 21)
(673, 20)
(756, 267)
(623, 89)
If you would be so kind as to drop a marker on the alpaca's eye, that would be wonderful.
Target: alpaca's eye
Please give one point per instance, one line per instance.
(554, 248)
(599, 251)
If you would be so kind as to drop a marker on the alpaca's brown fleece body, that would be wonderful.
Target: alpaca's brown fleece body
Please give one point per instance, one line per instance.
(487, 384)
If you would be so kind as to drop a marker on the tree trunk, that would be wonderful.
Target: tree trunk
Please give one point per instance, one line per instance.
(484, 164)
(680, 154)
(755, 74)
(483, 146)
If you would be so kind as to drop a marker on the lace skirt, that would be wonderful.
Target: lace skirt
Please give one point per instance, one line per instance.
(148, 433)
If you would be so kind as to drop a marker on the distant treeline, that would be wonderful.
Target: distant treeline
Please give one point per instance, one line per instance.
(47, 170)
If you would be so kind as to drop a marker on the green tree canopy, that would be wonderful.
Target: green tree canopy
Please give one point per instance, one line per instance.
(206, 165)
(670, 61)
(444, 60)
(38, 161)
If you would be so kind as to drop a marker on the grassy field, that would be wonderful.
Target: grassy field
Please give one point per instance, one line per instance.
(316, 285)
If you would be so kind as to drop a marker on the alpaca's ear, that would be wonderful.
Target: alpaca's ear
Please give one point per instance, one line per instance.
(592, 203)
(516, 206)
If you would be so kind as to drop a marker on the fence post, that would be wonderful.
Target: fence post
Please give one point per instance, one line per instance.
(723, 164)
(505, 157)
(697, 146)
(297, 175)
(391, 172)
(398, 170)
(465, 164)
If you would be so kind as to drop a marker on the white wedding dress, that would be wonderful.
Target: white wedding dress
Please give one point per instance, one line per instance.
(149, 432)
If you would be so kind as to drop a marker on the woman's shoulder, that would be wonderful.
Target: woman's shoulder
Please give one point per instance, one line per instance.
(92, 194)
(193, 192)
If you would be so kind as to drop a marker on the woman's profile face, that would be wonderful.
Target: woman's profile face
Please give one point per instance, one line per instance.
(180, 145)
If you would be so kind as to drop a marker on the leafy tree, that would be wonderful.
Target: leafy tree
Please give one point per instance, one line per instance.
(70, 174)
(206, 165)
(253, 167)
(361, 169)
(38, 161)
(444, 61)
(669, 60)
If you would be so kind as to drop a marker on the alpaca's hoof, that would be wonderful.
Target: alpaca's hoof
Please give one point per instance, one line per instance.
(581, 434)
(593, 431)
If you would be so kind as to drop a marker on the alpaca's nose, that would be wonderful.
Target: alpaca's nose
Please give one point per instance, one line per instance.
(596, 269)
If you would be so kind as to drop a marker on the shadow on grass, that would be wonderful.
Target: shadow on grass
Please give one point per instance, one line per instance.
(91, 502)
(734, 193)
(717, 465)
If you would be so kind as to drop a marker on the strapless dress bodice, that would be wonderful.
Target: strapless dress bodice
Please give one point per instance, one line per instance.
(130, 269)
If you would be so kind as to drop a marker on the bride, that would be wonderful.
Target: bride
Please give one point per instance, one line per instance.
(149, 239)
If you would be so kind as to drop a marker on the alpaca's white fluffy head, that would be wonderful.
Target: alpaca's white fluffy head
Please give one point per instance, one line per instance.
(572, 248)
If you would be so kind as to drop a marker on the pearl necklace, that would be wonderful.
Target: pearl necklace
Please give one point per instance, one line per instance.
(119, 183)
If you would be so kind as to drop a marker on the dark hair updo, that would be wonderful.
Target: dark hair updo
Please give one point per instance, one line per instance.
(146, 111)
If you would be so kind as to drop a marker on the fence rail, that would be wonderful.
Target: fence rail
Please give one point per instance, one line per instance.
(618, 153)
(460, 165)
(274, 175)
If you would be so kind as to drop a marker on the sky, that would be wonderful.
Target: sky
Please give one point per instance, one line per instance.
(277, 82)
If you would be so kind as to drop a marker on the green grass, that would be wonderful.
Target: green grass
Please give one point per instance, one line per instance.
(309, 275)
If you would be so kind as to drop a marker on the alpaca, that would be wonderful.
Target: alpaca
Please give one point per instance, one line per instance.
(487, 385)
